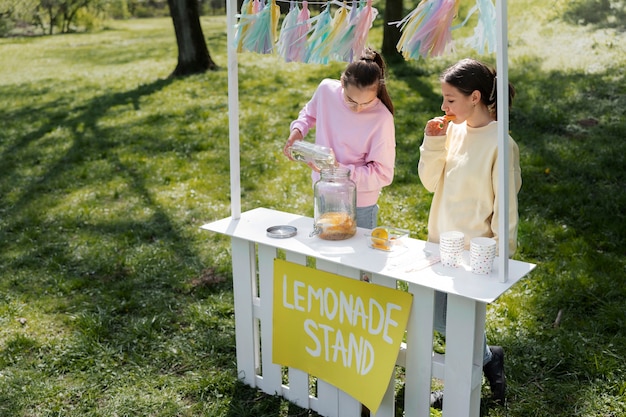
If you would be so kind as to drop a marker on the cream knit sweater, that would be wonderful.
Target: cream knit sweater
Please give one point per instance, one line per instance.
(461, 169)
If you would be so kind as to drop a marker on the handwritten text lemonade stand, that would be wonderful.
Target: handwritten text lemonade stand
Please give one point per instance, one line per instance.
(325, 325)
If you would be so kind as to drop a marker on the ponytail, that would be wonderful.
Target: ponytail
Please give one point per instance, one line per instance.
(369, 71)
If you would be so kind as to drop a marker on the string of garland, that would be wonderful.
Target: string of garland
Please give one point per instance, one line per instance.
(425, 31)
(340, 36)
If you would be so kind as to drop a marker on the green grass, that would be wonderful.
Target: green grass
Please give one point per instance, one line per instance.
(114, 303)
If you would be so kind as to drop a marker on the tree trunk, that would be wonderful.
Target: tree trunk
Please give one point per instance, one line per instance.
(394, 11)
(193, 54)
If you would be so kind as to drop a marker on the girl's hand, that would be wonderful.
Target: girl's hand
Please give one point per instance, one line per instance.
(317, 169)
(293, 136)
(437, 126)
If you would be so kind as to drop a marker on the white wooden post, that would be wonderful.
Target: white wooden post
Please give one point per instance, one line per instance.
(419, 351)
(233, 110)
(464, 356)
(502, 85)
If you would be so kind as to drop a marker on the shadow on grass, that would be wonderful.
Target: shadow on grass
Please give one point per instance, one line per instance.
(569, 127)
(250, 402)
(115, 281)
(121, 311)
(599, 13)
(573, 225)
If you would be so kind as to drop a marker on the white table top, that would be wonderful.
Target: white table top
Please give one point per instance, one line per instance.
(413, 262)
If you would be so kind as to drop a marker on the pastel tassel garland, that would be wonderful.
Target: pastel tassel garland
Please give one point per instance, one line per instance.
(298, 48)
(427, 30)
(259, 28)
(341, 48)
(288, 34)
(321, 29)
(338, 26)
(244, 23)
(303, 38)
(485, 30)
(364, 22)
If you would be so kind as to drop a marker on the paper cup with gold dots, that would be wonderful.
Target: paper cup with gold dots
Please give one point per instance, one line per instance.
(482, 255)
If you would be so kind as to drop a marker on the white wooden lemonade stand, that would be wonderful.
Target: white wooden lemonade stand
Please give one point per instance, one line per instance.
(253, 255)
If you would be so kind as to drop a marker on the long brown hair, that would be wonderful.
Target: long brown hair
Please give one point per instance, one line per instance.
(368, 71)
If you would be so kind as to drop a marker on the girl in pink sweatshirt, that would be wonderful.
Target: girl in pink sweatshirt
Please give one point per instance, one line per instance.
(354, 117)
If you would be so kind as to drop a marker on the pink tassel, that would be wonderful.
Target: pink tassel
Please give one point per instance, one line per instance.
(288, 33)
(293, 37)
(364, 23)
(298, 48)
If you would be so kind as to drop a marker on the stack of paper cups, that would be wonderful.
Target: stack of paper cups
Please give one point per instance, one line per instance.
(451, 246)
(482, 254)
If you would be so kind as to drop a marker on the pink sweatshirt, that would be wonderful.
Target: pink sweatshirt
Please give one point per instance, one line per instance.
(363, 142)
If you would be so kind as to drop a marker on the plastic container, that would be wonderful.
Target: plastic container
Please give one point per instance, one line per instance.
(386, 238)
(335, 205)
(321, 156)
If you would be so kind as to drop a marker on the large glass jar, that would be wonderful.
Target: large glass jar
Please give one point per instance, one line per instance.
(335, 205)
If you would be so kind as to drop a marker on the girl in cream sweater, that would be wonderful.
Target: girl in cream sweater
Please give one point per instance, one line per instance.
(458, 163)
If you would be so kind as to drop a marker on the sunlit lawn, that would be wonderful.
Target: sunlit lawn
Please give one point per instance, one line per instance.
(114, 303)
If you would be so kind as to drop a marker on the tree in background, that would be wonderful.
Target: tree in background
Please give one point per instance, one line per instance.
(394, 11)
(13, 12)
(59, 13)
(193, 54)
(26, 16)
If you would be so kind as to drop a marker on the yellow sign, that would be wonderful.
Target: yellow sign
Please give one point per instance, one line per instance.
(344, 331)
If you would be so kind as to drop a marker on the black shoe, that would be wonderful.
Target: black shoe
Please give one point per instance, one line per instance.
(436, 400)
(494, 371)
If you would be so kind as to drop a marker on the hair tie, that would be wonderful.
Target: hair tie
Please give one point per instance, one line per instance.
(368, 55)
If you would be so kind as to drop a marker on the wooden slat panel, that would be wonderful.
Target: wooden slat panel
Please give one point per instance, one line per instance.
(419, 341)
(388, 405)
(272, 373)
(328, 396)
(339, 404)
(298, 380)
(347, 405)
(464, 328)
(244, 276)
